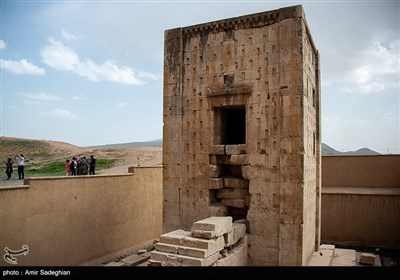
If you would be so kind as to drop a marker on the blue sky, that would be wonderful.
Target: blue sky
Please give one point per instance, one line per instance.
(90, 72)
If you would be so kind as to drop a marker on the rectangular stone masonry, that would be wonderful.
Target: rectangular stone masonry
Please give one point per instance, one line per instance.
(242, 102)
(185, 250)
(212, 227)
(235, 149)
(239, 160)
(215, 171)
(180, 260)
(232, 193)
(216, 183)
(216, 244)
(367, 258)
(236, 183)
(239, 231)
(175, 237)
(217, 149)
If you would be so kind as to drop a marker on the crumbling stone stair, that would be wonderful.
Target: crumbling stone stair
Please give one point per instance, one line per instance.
(214, 241)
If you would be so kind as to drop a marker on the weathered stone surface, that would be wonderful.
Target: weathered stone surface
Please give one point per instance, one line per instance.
(235, 149)
(235, 183)
(367, 258)
(217, 149)
(239, 159)
(181, 260)
(216, 183)
(146, 263)
(264, 75)
(212, 227)
(215, 171)
(327, 247)
(133, 260)
(239, 231)
(232, 193)
(216, 244)
(116, 264)
(344, 257)
(319, 260)
(185, 250)
(239, 203)
(175, 237)
(219, 225)
(236, 257)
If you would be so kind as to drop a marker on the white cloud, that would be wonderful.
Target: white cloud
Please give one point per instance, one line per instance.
(69, 36)
(122, 104)
(376, 70)
(39, 96)
(3, 44)
(60, 113)
(21, 67)
(148, 75)
(108, 71)
(61, 57)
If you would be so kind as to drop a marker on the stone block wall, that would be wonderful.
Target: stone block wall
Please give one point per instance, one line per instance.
(242, 131)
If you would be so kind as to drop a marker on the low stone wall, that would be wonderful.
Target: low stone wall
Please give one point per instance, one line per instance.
(75, 220)
(361, 200)
(361, 216)
(377, 171)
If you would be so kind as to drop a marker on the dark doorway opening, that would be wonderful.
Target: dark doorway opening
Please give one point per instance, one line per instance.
(233, 126)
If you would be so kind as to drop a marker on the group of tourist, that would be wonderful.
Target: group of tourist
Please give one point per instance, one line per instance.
(80, 166)
(9, 167)
(76, 166)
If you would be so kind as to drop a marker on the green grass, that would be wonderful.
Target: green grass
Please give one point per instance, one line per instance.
(58, 168)
(51, 169)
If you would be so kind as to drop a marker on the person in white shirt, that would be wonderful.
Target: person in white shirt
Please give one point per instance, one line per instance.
(20, 162)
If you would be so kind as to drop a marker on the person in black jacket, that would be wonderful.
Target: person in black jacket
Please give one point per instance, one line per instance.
(9, 168)
(92, 165)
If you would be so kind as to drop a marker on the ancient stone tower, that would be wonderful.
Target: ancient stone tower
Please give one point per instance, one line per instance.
(242, 131)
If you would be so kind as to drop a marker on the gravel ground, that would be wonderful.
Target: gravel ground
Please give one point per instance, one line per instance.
(11, 182)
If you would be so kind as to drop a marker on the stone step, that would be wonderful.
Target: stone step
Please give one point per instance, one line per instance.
(344, 257)
(168, 259)
(134, 260)
(212, 227)
(319, 259)
(186, 251)
(116, 264)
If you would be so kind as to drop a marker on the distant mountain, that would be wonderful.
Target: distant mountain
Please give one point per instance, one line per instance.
(363, 151)
(329, 151)
(151, 143)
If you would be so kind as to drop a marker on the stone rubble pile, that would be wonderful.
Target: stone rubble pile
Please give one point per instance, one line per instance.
(214, 241)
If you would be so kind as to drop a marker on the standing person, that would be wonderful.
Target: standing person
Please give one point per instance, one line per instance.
(67, 168)
(73, 166)
(20, 158)
(92, 165)
(82, 166)
(9, 168)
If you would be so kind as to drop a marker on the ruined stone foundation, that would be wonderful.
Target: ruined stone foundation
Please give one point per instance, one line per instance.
(214, 241)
